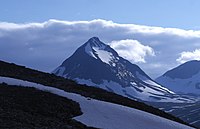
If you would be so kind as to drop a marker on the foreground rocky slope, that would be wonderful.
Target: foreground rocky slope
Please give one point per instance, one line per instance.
(30, 108)
(104, 114)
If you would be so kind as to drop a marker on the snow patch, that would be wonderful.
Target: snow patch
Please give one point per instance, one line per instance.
(88, 50)
(155, 85)
(105, 56)
(97, 50)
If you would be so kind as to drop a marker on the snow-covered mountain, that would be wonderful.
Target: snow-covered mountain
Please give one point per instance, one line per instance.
(184, 78)
(97, 64)
(104, 115)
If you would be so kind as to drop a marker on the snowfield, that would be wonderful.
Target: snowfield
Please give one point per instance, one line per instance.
(104, 114)
(132, 93)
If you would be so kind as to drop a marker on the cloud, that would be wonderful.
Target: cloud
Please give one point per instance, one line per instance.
(132, 50)
(187, 56)
(45, 45)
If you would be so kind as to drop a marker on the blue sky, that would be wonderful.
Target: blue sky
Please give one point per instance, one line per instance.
(165, 13)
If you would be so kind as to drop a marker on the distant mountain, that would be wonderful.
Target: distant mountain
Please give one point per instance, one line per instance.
(184, 78)
(97, 64)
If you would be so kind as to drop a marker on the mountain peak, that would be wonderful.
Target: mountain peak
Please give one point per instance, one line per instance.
(97, 64)
(94, 39)
(95, 42)
(97, 49)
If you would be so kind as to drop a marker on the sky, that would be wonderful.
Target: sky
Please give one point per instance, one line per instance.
(157, 35)
(165, 13)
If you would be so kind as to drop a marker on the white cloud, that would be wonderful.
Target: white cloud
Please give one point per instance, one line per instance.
(132, 50)
(187, 56)
(13, 26)
(45, 45)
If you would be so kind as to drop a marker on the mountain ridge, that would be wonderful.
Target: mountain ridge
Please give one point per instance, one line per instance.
(184, 70)
(183, 78)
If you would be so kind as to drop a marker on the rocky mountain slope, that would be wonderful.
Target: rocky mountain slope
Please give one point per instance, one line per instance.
(97, 64)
